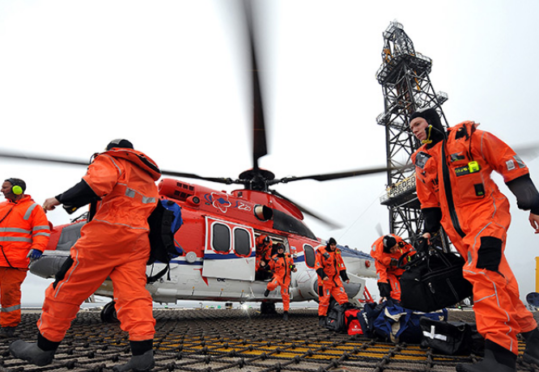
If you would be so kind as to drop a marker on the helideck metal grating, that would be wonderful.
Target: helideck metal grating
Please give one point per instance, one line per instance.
(235, 340)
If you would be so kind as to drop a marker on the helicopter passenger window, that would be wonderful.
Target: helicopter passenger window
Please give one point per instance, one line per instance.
(309, 255)
(220, 238)
(242, 242)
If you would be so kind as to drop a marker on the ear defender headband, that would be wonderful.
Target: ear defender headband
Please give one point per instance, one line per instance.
(16, 187)
(434, 122)
(429, 131)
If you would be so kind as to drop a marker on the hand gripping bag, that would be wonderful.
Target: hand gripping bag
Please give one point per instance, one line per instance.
(433, 281)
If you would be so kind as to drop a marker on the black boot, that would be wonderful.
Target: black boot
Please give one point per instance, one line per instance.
(497, 359)
(142, 359)
(40, 353)
(266, 293)
(7, 332)
(531, 354)
(285, 315)
(322, 321)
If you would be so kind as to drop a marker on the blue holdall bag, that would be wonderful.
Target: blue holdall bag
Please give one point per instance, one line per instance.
(368, 315)
(397, 324)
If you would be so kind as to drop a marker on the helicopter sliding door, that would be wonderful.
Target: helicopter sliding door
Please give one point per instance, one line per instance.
(229, 251)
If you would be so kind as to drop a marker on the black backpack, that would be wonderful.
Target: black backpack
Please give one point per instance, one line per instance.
(164, 222)
(335, 319)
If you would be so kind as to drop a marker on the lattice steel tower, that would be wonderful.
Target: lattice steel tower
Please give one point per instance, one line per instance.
(404, 76)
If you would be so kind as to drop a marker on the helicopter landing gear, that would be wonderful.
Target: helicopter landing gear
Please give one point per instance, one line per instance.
(108, 314)
(267, 308)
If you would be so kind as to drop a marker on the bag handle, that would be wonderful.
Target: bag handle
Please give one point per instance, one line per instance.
(442, 256)
(401, 260)
(420, 257)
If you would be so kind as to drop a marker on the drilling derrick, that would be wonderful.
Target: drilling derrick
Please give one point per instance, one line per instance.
(404, 76)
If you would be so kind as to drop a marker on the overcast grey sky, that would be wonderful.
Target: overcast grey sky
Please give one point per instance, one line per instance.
(168, 75)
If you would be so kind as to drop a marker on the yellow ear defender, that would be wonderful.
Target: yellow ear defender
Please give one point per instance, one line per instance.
(16, 187)
(17, 190)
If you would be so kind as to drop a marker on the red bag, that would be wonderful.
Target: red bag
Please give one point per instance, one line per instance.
(355, 328)
(351, 321)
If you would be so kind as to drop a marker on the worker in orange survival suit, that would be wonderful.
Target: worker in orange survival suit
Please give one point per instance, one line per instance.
(330, 268)
(455, 190)
(24, 235)
(386, 252)
(283, 266)
(115, 244)
(263, 255)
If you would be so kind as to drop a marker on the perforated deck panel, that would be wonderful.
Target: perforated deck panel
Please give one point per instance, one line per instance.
(234, 340)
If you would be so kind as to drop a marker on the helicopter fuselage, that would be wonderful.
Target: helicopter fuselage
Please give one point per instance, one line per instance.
(219, 251)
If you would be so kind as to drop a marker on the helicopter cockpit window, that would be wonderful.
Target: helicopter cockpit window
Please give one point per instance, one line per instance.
(309, 255)
(242, 242)
(220, 238)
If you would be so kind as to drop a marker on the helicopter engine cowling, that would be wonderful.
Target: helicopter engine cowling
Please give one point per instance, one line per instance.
(48, 265)
(62, 239)
(355, 289)
(307, 288)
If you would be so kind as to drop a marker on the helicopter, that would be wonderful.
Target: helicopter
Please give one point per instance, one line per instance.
(220, 229)
(218, 241)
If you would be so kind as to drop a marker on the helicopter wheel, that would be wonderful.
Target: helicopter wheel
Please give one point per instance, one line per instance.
(267, 308)
(108, 314)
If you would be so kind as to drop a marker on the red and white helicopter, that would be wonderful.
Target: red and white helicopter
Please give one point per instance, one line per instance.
(218, 239)
(220, 229)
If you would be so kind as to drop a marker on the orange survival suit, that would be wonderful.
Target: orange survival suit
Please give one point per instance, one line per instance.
(282, 266)
(331, 265)
(386, 263)
(455, 189)
(263, 250)
(113, 244)
(23, 226)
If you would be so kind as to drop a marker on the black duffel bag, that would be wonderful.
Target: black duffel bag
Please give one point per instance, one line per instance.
(433, 280)
(451, 338)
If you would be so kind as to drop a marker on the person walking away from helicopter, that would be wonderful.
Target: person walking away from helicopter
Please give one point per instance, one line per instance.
(263, 256)
(386, 252)
(24, 235)
(120, 184)
(456, 191)
(283, 266)
(330, 268)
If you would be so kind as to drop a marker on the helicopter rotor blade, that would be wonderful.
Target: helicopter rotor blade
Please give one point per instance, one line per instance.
(224, 180)
(333, 225)
(379, 230)
(259, 126)
(335, 176)
(528, 152)
(43, 158)
(51, 159)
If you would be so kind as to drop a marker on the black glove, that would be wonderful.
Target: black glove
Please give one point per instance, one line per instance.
(385, 289)
(422, 245)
